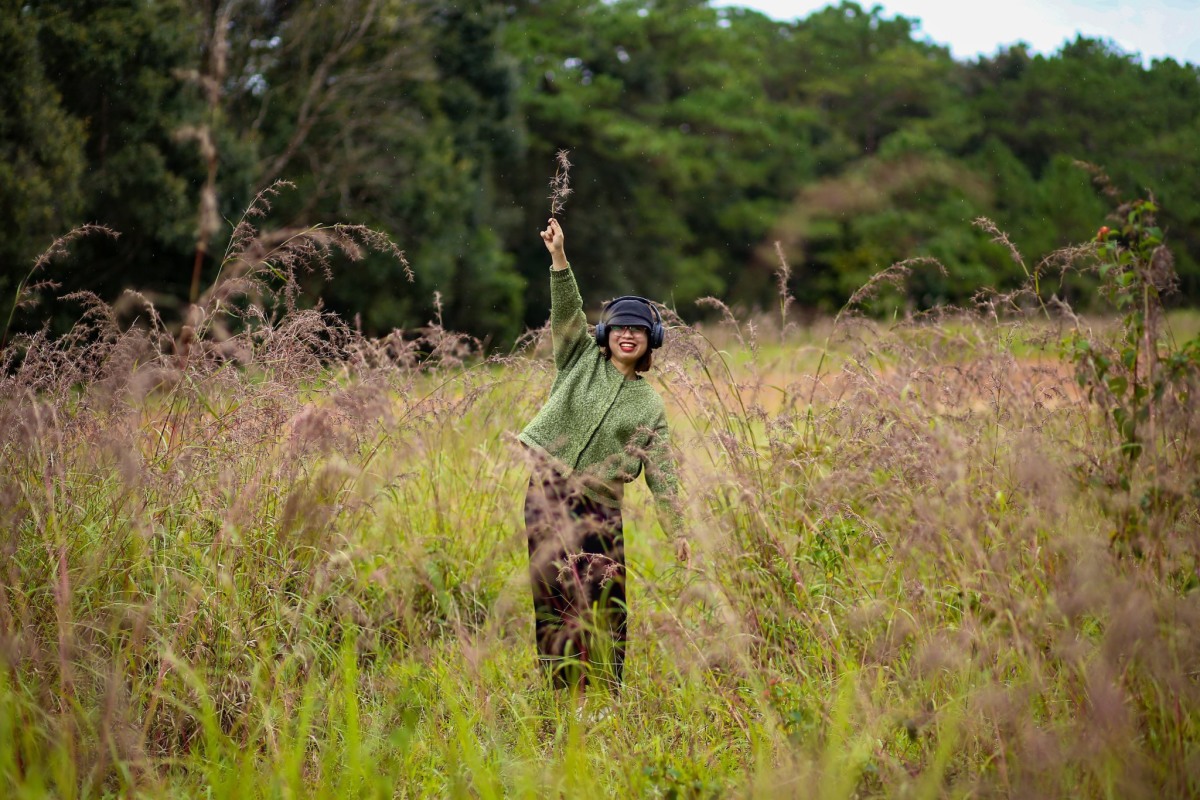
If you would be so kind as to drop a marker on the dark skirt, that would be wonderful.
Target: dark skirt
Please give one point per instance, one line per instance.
(577, 572)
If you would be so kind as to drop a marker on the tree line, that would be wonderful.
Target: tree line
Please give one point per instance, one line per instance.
(698, 136)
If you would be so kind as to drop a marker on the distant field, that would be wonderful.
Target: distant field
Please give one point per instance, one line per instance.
(307, 577)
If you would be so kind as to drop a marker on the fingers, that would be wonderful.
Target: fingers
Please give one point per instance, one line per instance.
(553, 234)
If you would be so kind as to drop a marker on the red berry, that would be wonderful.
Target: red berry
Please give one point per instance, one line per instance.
(1102, 233)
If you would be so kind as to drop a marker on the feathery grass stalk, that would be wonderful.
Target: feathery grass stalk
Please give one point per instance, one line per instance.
(560, 184)
(25, 291)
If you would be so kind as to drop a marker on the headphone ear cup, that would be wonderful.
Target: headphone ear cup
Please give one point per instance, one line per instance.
(657, 334)
(601, 334)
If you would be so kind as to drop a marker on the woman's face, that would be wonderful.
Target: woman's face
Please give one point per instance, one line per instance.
(628, 343)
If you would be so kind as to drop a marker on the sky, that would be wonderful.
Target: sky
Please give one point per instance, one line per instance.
(971, 28)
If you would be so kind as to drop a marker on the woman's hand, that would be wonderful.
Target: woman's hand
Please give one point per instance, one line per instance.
(553, 238)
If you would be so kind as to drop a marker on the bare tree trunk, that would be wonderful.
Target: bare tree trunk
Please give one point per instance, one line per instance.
(210, 77)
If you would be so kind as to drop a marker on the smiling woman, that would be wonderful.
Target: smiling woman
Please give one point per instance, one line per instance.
(601, 427)
(630, 331)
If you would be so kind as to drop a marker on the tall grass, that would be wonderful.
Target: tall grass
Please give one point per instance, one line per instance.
(266, 556)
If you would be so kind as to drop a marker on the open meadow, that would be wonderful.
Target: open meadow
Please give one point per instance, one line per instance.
(264, 555)
(262, 529)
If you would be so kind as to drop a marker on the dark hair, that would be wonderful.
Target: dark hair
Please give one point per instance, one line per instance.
(643, 364)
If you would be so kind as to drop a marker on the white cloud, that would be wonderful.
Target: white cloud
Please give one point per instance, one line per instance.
(1153, 28)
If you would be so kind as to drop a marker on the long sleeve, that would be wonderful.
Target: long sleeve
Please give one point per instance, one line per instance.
(568, 324)
(662, 476)
(597, 424)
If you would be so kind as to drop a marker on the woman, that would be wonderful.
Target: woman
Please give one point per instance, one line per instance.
(601, 426)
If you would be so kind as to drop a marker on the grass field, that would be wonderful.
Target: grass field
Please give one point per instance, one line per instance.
(285, 580)
(291, 562)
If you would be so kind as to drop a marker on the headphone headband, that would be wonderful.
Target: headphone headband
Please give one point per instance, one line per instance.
(654, 308)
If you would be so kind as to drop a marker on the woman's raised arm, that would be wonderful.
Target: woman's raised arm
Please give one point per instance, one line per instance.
(568, 324)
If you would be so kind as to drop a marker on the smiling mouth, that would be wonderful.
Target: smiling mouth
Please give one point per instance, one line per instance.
(627, 347)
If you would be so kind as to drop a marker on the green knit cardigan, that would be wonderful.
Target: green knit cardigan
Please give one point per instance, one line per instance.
(598, 426)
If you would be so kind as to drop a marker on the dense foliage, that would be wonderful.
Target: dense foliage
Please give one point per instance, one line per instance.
(699, 136)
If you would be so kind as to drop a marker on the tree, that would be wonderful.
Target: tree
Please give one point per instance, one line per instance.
(389, 113)
(41, 156)
(1092, 102)
(683, 161)
(699, 136)
(115, 65)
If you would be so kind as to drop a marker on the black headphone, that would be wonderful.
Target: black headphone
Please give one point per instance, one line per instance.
(657, 331)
